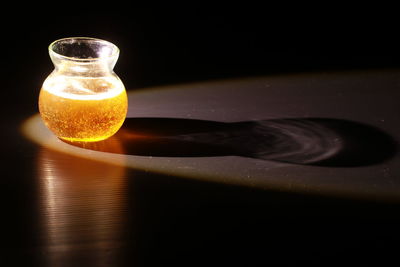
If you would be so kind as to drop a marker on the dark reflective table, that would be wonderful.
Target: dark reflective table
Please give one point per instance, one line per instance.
(277, 170)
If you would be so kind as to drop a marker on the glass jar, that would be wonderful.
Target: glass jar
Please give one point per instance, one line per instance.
(83, 99)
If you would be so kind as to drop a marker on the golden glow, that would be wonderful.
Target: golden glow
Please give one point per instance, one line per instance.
(35, 130)
(84, 109)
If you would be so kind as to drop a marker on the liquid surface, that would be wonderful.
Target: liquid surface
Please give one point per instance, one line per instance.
(84, 109)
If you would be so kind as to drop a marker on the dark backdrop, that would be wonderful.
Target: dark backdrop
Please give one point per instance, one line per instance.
(166, 46)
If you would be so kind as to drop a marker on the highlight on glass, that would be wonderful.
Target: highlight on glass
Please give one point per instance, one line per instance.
(83, 99)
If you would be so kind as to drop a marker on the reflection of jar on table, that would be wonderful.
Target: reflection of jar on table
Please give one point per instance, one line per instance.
(83, 99)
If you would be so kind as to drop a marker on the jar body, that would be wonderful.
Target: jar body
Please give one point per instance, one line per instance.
(75, 116)
(83, 101)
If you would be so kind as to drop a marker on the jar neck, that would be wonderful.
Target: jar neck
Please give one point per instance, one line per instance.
(93, 68)
(83, 56)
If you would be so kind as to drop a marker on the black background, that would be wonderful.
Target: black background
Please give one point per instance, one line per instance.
(160, 47)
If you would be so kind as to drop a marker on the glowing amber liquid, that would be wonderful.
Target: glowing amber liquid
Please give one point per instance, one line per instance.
(92, 114)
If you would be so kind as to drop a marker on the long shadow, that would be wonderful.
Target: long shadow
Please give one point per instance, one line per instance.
(314, 141)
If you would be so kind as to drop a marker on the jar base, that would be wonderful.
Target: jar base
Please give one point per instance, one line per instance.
(83, 140)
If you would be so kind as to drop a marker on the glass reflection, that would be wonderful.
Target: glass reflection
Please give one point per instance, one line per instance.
(83, 208)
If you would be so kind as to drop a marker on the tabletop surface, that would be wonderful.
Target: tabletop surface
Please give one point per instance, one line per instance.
(285, 170)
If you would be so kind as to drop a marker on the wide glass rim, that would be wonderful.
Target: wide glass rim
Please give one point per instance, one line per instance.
(114, 49)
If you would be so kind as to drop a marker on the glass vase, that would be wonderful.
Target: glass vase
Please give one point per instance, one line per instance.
(83, 99)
